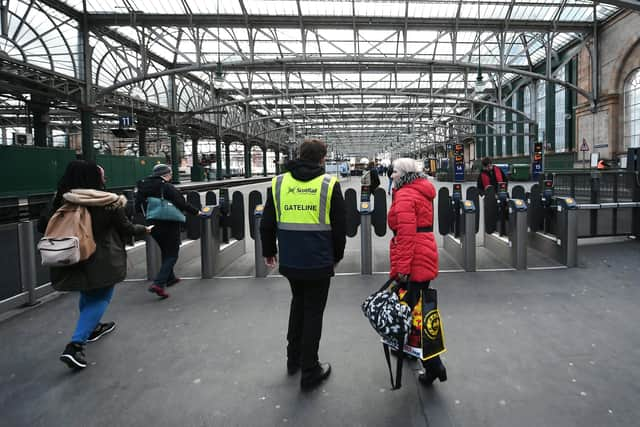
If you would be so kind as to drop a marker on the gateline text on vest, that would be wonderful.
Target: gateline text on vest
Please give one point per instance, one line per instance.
(300, 208)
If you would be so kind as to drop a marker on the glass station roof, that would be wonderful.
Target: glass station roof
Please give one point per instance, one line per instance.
(329, 67)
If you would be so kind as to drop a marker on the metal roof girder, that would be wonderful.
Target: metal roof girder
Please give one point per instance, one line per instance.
(107, 19)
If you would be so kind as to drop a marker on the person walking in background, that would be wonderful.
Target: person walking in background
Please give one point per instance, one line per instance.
(166, 233)
(95, 277)
(373, 175)
(305, 213)
(489, 175)
(412, 250)
(389, 173)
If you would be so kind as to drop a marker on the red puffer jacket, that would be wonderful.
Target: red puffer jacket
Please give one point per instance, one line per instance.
(412, 252)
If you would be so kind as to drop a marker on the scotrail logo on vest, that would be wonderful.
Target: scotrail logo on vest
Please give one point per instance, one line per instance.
(298, 190)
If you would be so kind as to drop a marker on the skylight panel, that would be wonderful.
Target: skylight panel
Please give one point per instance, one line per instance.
(382, 9)
(432, 10)
(271, 7)
(328, 8)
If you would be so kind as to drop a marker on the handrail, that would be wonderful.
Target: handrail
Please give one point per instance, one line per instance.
(614, 205)
(183, 188)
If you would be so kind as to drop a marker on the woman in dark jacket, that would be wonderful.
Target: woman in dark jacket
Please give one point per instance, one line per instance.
(166, 233)
(95, 277)
(413, 250)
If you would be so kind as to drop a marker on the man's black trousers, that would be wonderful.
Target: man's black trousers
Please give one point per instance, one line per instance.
(309, 297)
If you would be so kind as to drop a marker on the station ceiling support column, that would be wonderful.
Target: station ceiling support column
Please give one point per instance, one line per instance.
(218, 140)
(40, 111)
(175, 160)
(227, 159)
(194, 149)
(247, 145)
(86, 121)
(142, 140)
(197, 171)
(173, 129)
(247, 159)
(264, 161)
(85, 72)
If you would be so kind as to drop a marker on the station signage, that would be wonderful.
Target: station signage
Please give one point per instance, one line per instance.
(536, 164)
(458, 162)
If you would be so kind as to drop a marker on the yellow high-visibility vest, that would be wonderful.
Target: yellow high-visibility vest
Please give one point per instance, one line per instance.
(303, 205)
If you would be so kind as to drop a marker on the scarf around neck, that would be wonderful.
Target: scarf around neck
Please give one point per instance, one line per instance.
(408, 178)
(88, 197)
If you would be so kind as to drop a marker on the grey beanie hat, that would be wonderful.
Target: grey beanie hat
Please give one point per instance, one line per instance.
(161, 170)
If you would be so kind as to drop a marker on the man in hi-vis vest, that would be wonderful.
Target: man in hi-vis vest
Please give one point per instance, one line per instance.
(305, 212)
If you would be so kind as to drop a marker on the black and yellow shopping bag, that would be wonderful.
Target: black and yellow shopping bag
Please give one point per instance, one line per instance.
(426, 337)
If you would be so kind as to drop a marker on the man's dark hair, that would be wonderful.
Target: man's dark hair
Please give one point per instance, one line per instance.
(313, 150)
(486, 162)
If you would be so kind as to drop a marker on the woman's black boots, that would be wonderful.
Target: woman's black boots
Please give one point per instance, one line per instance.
(433, 369)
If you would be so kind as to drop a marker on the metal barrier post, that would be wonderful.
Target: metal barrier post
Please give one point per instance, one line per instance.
(27, 256)
(209, 240)
(518, 238)
(154, 257)
(261, 268)
(469, 237)
(366, 262)
(568, 230)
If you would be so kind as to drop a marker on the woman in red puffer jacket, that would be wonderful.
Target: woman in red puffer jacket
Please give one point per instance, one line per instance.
(413, 250)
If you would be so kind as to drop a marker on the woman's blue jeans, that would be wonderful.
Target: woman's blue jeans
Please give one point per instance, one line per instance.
(92, 306)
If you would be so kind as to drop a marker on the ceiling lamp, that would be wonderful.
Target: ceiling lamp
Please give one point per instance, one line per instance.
(480, 83)
(219, 75)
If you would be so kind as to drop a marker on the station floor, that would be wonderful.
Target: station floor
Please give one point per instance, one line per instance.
(557, 347)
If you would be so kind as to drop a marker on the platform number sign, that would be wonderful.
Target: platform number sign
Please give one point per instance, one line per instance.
(458, 162)
(126, 122)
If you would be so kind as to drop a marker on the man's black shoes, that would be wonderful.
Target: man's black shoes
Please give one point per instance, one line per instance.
(292, 368)
(312, 378)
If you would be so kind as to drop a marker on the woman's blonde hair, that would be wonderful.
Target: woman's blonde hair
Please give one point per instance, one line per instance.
(404, 165)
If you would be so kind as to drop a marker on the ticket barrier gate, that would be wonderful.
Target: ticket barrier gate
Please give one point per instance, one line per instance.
(212, 228)
(503, 208)
(541, 207)
(553, 224)
(458, 226)
(563, 246)
(256, 211)
(506, 227)
(225, 211)
(362, 214)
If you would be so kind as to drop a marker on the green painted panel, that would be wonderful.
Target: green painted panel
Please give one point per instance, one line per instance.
(32, 170)
(559, 161)
(35, 170)
(125, 171)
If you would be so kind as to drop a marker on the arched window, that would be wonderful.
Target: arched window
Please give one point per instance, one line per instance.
(541, 89)
(560, 112)
(527, 112)
(632, 110)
